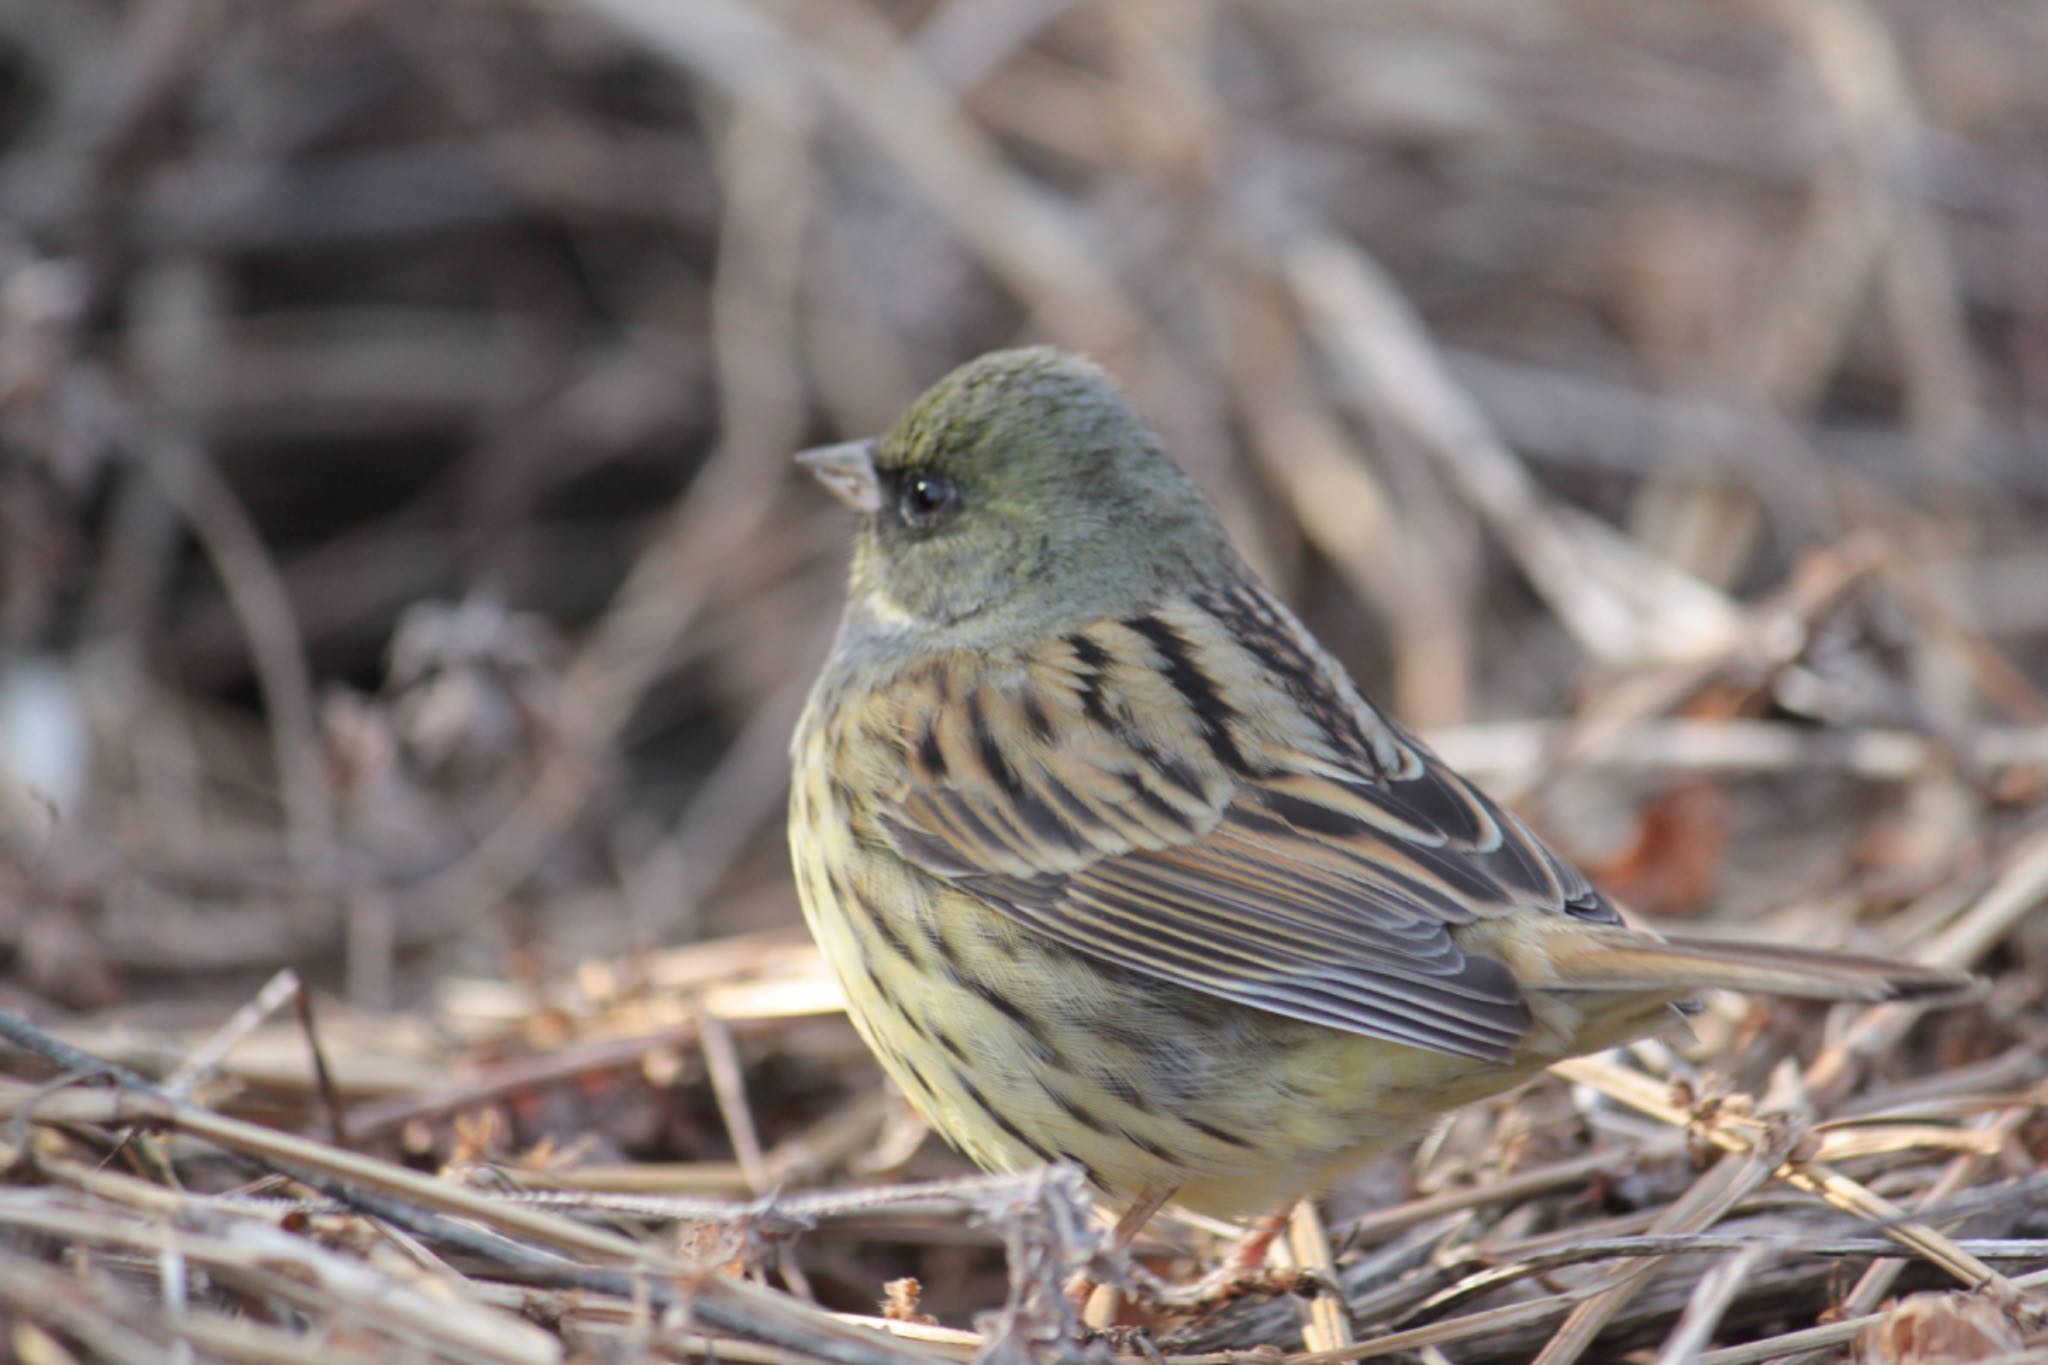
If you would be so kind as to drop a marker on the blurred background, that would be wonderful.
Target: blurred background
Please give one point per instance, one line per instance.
(403, 577)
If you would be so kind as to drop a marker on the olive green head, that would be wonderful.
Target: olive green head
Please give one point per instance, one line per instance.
(1020, 490)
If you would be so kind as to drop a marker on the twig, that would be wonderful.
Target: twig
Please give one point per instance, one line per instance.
(1326, 1324)
(1880, 1276)
(729, 1089)
(1621, 603)
(257, 593)
(1702, 1315)
(1711, 1196)
(425, 1203)
(205, 1059)
(2019, 888)
(1513, 749)
(1820, 1338)
(1812, 1176)
(330, 1095)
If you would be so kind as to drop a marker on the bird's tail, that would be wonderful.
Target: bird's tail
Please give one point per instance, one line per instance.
(1628, 960)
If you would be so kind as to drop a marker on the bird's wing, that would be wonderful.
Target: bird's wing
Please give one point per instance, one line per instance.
(1200, 795)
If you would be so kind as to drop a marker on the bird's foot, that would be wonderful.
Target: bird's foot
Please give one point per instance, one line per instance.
(1227, 1284)
(1244, 1272)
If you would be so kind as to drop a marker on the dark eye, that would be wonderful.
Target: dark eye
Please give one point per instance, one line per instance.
(929, 499)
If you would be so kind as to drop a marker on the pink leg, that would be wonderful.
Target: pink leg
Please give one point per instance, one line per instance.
(1248, 1257)
(1098, 1301)
(1243, 1269)
(1140, 1213)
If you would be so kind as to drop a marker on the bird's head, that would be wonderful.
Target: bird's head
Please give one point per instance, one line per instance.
(1019, 491)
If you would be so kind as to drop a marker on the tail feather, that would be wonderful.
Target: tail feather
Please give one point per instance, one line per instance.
(1627, 960)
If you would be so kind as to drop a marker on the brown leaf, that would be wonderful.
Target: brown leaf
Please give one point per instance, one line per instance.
(1939, 1329)
(1674, 864)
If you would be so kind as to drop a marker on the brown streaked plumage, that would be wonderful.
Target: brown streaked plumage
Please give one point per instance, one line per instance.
(1117, 866)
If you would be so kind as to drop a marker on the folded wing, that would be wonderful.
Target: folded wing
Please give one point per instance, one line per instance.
(1199, 795)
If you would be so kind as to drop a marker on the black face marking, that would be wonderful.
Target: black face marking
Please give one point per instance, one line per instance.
(1196, 688)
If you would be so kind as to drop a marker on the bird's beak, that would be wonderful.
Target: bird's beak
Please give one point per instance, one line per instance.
(848, 470)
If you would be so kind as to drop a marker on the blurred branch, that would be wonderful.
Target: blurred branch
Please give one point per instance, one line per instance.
(256, 591)
(848, 54)
(1620, 603)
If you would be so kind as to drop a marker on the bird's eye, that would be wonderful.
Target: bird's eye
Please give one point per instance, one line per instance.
(929, 499)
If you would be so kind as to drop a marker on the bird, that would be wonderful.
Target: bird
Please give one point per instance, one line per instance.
(1115, 864)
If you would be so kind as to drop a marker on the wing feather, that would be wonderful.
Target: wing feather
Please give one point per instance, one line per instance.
(1199, 795)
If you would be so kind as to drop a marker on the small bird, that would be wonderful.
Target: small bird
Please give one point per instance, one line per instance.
(1115, 864)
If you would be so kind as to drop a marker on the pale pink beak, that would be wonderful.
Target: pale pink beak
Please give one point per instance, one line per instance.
(848, 470)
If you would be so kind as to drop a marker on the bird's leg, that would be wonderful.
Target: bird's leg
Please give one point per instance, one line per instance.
(1248, 1258)
(1244, 1269)
(1097, 1303)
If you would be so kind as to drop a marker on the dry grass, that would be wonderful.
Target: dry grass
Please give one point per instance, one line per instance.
(405, 599)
